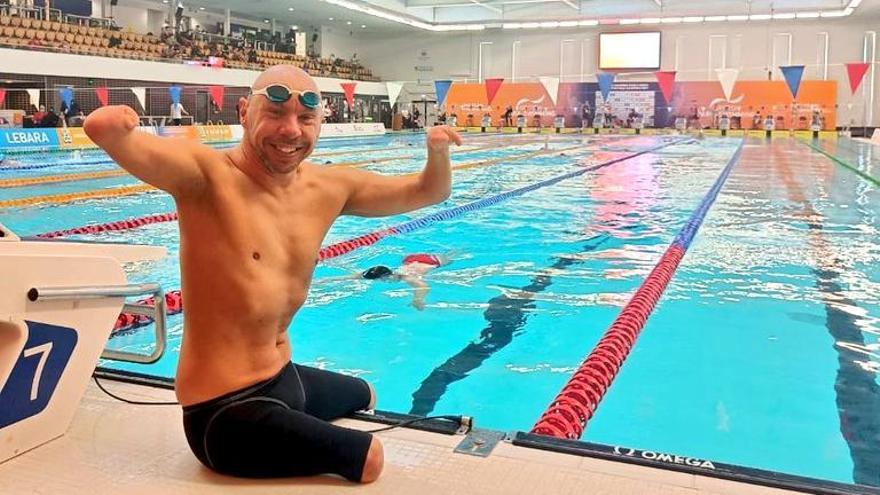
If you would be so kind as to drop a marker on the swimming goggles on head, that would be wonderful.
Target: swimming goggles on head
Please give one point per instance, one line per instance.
(279, 93)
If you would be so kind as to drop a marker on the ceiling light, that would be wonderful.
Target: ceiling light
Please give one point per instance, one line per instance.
(807, 15)
(626, 22)
(715, 18)
(693, 19)
(650, 20)
(591, 22)
(329, 18)
(787, 15)
(201, 8)
(670, 20)
(290, 9)
(568, 23)
(294, 27)
(737, 18)
(854, 4)
(760, 17)
(348, 23)
(363, 26)
(266, 21)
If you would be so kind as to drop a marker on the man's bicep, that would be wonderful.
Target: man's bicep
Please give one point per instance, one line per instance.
(374, 195)
(167, 163)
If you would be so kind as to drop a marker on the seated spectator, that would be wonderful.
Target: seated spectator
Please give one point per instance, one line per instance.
(51, 119)
(38, 116)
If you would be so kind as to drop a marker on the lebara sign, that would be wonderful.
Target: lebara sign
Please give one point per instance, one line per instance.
(28, 138)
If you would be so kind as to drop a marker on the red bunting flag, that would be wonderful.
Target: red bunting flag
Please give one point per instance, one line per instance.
(2, 96)
(217, 93)
(666, 80)
(492, 87)
(103, 96)
(348, 88)
(856, 72)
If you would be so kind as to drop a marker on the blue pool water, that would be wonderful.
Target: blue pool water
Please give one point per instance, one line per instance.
(764, 351)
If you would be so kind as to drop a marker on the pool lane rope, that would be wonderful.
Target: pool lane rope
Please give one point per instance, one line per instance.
(174, 301)
(844, 164)
(129, 223)
(568, 414)
(111, 192)
(47, 179)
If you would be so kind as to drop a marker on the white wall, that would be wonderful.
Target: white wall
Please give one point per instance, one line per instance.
(693, 50)
(339, 41)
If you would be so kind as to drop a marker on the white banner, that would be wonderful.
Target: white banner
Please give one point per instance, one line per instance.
(332, 130)
(727, 77)
(551, 85)
(348, 130)
(394, 89)
(34, 96)
(141, 95)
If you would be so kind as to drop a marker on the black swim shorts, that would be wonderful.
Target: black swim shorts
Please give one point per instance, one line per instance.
(279, 428)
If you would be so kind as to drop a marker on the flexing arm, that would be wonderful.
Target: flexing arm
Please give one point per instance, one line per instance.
(169, 164)
(376, 195)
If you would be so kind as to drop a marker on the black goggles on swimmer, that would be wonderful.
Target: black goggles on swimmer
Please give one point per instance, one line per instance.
(279, 93)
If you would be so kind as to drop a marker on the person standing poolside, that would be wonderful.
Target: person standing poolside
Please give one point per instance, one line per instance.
(252, 219)
(177, 113)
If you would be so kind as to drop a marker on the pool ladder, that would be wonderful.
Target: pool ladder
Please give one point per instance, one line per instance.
(157, 312)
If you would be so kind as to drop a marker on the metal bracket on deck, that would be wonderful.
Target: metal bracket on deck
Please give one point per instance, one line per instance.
(479, 442)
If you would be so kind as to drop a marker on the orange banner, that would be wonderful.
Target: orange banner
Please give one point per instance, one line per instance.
(701, 101)
(752, 101)
(469, 103)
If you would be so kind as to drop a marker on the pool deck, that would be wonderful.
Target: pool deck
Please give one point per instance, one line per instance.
(114, 448)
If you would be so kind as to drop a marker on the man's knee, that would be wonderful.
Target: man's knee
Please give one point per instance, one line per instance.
(374, 463)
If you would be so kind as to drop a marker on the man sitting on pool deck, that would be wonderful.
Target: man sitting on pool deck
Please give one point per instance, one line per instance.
(252, 219)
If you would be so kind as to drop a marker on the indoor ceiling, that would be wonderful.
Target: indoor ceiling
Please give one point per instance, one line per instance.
(459, 15)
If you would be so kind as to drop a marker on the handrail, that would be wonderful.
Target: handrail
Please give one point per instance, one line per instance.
(157, 312)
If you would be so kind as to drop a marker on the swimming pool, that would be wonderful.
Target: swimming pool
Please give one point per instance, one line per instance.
(763, 352)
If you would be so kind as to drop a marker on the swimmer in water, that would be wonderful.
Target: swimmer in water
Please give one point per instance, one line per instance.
(412, 270)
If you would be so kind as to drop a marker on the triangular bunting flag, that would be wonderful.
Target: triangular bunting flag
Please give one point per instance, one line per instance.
(141, 95)
(492, 87)
(727, 78)
(174, 91)
(856, 72)
(442, 87)
(793, 75)
(217, 93)
(348, 89)
(666, 80)
(103, 96)
(394, 89)
(34, 96)
(606, 80)
(66, 95)
(551, 86)
(2, 96)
